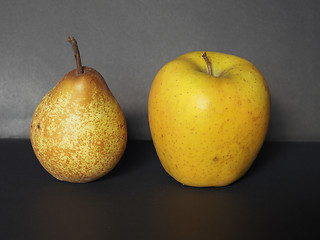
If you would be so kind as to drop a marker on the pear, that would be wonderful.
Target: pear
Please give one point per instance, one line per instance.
(78, 131)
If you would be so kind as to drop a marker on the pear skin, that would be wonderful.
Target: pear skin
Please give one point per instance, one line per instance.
(78, 130)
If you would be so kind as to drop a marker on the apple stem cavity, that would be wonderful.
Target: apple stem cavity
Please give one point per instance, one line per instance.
(75, 48)
(205, 57)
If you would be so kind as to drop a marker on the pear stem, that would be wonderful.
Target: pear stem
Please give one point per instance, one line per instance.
(75, 48)
(205, 57)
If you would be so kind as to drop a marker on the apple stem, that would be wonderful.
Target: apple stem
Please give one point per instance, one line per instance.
(205, 57)
(75, 48)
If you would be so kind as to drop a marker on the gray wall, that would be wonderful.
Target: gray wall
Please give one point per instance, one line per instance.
(129, 41)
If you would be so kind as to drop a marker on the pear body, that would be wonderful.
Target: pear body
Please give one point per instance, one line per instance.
(78, 131)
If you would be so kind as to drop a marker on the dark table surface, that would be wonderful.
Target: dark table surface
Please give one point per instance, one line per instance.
(278, 198)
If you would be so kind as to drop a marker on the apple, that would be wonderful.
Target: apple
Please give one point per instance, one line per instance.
(208, 114)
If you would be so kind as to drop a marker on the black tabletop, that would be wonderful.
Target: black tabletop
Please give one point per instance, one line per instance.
(278, 198)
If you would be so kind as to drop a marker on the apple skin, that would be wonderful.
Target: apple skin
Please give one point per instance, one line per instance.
(208, 129)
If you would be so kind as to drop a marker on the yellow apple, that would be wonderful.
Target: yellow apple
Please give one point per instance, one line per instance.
(208, 114)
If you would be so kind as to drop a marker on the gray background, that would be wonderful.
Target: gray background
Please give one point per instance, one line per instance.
(129, 41)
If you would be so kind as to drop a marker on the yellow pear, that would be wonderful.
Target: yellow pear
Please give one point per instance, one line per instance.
(208, 116)
(78, 131)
